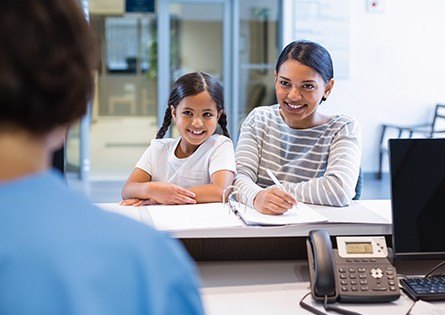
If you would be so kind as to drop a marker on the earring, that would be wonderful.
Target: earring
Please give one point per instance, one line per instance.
(323, 99)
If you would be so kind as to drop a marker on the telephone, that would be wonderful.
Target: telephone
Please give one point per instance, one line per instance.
(357, 271)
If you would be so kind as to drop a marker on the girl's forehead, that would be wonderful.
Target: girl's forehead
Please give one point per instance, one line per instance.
(198, 101)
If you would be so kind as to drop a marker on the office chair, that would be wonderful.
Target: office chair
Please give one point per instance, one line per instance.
(426, 130)
(359, 186)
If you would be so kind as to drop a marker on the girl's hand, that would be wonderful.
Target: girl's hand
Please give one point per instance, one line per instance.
(170, 194)
(135, 202)
(273, 201)
(129, 202)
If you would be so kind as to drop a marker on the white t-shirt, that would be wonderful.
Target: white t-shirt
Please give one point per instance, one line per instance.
(159, 160)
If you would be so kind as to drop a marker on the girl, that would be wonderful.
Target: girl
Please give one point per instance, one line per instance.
(197, 166)
(315, 156)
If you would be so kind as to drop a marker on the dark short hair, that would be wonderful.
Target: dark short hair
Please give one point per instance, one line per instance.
(47, 55)
(192, 84)
(310, 54)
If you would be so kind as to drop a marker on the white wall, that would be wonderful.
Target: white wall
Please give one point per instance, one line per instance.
(397, 67)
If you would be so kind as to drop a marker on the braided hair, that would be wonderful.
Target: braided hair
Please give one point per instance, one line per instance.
(192, 84)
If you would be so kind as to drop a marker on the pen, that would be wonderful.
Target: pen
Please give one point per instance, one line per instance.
(277, 182)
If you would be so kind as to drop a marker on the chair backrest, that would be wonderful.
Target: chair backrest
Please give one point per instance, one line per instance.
(438, 123)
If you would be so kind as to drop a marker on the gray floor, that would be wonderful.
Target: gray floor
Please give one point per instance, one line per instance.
(110, 191)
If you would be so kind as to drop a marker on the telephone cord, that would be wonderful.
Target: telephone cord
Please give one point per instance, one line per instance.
(327, 307)
(337, 309)
(434, 269)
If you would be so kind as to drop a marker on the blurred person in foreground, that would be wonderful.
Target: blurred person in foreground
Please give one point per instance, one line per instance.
(58, 253)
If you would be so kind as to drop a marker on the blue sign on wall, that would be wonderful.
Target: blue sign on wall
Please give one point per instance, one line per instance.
(140, 6)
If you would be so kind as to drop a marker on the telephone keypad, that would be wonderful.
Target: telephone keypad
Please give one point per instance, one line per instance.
(366, 275)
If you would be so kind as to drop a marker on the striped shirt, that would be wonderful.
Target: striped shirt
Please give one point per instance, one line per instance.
(318, 165)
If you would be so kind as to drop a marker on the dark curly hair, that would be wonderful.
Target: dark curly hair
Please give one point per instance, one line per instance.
(47, 55)
(191, 84)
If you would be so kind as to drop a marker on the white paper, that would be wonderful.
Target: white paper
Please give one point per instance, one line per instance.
(354, 213)
(381, 207)
(302, 215)
(189, 217)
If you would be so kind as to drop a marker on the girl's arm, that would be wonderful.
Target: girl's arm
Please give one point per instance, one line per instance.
(212, 192)
(222, 169)
(139, 186)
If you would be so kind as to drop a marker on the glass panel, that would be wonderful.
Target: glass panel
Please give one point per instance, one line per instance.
(196, 40)
(258, 53)
(196, 32)
(124, 114)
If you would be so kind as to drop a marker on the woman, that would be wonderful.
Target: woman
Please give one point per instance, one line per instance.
(315, 156)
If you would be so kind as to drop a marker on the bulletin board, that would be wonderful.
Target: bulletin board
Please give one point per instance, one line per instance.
(326, 22)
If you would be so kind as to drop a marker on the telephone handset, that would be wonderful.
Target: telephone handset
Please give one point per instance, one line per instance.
(357, 271)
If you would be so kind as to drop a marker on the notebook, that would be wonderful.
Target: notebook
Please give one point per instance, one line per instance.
(302, 215)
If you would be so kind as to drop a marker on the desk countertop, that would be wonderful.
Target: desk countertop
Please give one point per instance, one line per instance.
(276, 287)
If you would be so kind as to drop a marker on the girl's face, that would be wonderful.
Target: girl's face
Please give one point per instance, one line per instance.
(299, 90)
(196, 118)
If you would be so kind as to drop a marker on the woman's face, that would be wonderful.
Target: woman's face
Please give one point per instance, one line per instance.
(299, 90)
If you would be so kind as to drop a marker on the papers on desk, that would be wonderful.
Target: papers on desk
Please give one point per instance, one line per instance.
(354, 213)
(302, 215)
(187, 217)
(216, 215)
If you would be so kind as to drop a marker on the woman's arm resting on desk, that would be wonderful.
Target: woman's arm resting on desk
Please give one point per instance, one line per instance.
(140, 186)
(213, 191)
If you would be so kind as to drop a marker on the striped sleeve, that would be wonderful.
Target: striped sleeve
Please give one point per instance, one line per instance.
(247, 160)
(337, 185)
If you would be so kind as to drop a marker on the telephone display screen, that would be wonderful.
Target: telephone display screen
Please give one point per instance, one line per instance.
(358, 248)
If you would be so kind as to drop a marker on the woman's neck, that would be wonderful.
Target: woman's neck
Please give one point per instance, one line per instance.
(21, 154)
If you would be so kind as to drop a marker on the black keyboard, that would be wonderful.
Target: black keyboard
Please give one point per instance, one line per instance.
(427, 289)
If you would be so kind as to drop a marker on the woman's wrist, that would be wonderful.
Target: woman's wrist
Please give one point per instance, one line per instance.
(258, 200)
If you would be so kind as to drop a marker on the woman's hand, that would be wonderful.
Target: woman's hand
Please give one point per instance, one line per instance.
(170, 194)
(274, 201)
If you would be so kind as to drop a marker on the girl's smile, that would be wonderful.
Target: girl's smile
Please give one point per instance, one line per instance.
(196, 118)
